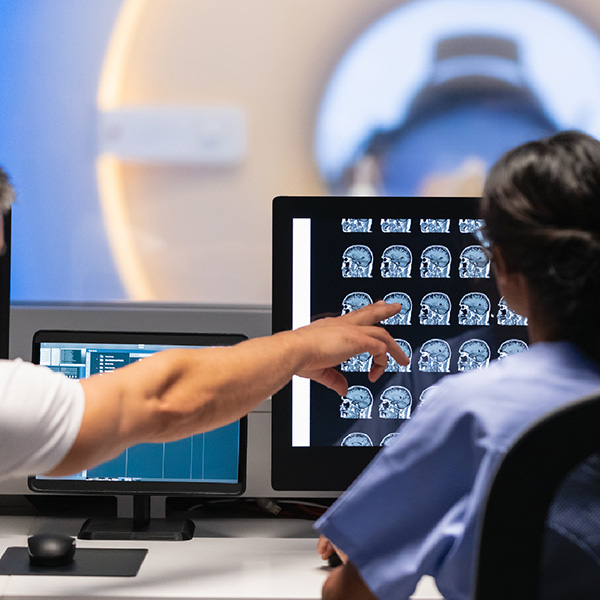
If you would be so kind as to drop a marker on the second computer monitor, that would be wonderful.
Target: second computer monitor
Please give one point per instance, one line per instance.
(332, 256)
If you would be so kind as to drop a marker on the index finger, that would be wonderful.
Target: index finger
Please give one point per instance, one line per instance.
(374, 313)
(392, 347)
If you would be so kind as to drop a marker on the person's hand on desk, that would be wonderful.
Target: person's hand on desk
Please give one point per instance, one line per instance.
(344, 582)
(328, 551)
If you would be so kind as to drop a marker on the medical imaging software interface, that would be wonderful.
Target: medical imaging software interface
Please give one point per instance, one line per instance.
(206, 457)
(452, 318)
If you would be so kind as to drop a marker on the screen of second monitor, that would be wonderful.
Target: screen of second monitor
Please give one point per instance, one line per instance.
(210, 461)
(420, 252)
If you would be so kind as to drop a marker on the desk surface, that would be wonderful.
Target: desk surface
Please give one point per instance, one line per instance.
(228, 559)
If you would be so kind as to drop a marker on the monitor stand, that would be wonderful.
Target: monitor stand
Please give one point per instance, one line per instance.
(143, 524)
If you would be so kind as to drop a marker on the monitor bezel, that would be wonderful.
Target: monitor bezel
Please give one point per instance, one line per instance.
(322, 468)
(5, 288)
(154, 488)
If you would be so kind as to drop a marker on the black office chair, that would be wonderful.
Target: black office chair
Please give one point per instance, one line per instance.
(514, 540)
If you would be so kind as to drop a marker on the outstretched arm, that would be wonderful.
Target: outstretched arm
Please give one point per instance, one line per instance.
(178, 393)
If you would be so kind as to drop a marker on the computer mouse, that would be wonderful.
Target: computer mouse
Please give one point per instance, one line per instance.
(50, 549)
(334, 560)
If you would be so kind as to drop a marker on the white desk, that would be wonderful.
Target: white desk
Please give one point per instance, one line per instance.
(234, 559)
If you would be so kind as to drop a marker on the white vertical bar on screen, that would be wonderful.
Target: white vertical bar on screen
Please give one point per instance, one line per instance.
(300, 273)
(300, 317)
(300, 411)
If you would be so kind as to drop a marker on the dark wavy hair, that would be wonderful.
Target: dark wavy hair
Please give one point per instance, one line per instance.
(541, 205)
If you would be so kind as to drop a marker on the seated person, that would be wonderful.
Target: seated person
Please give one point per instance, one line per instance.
(416, 510)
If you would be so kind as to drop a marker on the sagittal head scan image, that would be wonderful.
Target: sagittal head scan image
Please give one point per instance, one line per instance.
(357, 403)
(506, 316)
(395, 225)
(357, 225)
(469, 225)
(354, 301)
(435, 225)
(435, 309)
(473, 354)
(361, 363)
(396, 261)
(357, 261)
(404, 316)
(357, 438)
(389, 438)
(393, 366)
(474, 309)
(435, 356)
(512, 346)
(474, 263)
(435, 262)
(395, 403)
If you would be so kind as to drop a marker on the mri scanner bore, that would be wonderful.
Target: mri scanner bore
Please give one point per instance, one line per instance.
(469, 91)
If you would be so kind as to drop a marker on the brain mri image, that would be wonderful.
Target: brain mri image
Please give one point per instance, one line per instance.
(469, 225)
(473, 354)
(435, 262)
(395, 403)
(393, 366)
(361, 363)
(474, 309)
(357, 403)
(474, 263)
(395, 225)
(396, 261)
(435, 356)
(508, 317)
(435, 225)
(357, 439)
(357, 261)
(512, 346)
(389, 439)
(357, 225)
(354, 301)
(404, 316)
(435, 309)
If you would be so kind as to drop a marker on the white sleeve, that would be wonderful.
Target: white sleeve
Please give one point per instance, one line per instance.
(40, 417)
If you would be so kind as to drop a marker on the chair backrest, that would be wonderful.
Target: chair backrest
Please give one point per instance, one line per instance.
(521, 494)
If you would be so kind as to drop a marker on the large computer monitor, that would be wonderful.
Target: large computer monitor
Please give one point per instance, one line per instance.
(211, 464)
(332, 255)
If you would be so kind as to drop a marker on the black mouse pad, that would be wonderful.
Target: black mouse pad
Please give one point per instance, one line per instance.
(88, 562)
